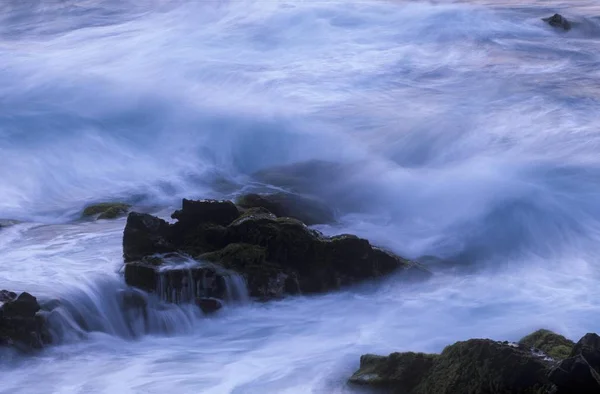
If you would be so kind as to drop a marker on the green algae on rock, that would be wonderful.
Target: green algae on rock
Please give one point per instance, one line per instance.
(106, 210)
(554, 345)
(276, 256)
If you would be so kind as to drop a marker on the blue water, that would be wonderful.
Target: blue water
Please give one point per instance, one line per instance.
(463, 130)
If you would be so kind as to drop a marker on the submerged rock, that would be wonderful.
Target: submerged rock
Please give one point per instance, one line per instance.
(275, 255)
(106, 210)
(554, 345)
(209, 305)
(558, 21)
(308, 210)
(21, 325)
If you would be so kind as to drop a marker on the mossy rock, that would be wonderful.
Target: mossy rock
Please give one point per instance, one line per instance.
(106, 210)
(554, 345)
(398, 371)
(265, 280)
(475, 366)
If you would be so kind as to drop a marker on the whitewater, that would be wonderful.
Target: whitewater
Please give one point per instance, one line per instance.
(465, 130)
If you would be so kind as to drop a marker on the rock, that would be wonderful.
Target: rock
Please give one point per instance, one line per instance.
(7, 296)
(558, 21)
(276, 256)
(554, 345)
(580, 373)
(106, 210)
(174, 280)
(400, 372)
(206, 211)
(308, 210)
(470, 367)
(209, 305)
(265, 280)
(20, 324)
(145, 235)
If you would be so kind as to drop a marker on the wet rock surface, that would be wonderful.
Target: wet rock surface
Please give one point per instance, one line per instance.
(276, 256)
(487, 366)
(21, 326)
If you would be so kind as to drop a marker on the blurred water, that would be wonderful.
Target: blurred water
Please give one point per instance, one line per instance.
(465, 130)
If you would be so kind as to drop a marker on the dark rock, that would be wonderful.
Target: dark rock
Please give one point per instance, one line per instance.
(265, 280)
(554, 345)
(174, 280)
(25, 305)
(276, 256)
(206, 211)
(475, 366)
(7, 296)
(20, 324)
(580, 373)
(209, 305)
(106, 210)
(308, 210)
(398, 371)
(558, 21)
(145, 235)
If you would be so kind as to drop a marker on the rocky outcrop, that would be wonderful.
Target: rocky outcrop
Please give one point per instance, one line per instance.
(306, 209)
(145, 235)
(580, 373)
(275, 255)
(106, 210)
(486, 366)
(21, 326)
(558, 21)
(470, 367)
(552, 344)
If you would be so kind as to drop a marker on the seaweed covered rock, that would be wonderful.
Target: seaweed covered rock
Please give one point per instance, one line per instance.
(554, 345)
(21, 325)
(401, 372)
(486, 366)
(471, 367)
(308, 210)
(558, 21)
(580, 373)
(106, 210)
(275, 255)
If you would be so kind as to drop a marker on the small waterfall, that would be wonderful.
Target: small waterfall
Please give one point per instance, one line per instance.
(236, 289)
(109, 306)
(184, 280)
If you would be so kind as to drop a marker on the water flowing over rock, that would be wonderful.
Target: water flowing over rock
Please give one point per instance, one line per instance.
(275, 255)
(180, 279)
(21, 325)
